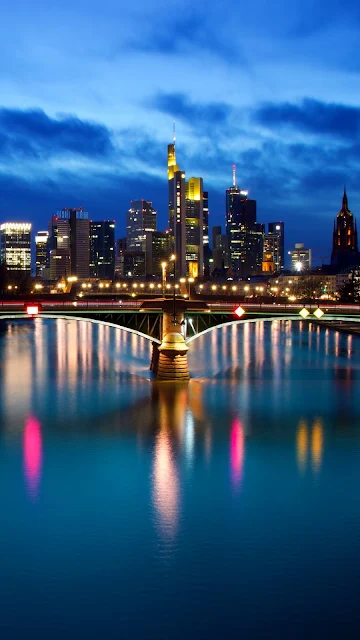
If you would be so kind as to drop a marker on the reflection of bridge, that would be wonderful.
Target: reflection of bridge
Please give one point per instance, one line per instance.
(147, 317)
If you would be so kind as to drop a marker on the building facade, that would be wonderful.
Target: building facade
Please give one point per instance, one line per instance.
(177, 211)
(102, 249)
(15, 246)
(41, 252)
(244, 233)
(141, 218)
(300, 258)
(274, 244)
(69, 244)
(158, 250)
(194, 221)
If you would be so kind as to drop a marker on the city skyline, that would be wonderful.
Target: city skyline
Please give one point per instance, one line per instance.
(88, 126)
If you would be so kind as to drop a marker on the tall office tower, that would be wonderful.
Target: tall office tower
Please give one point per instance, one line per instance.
(59, 248)
(177, 211)
(274, 244)
(300, 258)
(41, 252)
(69, 244)
(242, 231)
(102, 249)
(141, 218)
(158, 250)
(206, 243)
(221, 251)
(15, 246)
(194, 204)
(345, 252)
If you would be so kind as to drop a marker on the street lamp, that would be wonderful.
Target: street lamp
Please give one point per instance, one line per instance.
(163, 279)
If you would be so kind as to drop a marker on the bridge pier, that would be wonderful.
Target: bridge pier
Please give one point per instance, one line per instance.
(169, 359)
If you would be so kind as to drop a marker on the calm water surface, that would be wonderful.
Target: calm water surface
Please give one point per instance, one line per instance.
(228, 507)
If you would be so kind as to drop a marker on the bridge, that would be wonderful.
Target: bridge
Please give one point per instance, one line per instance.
(147, 316)
(172, 324)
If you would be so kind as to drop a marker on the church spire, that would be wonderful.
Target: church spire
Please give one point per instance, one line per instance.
(345, 200)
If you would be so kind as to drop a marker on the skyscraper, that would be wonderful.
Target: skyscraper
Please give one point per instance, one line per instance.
(300, 258)
(245, 236)
(187, 204)
(69, 244)
(15, 246)
(41, 252)
(206, 243)
(102, 249)
(274, 244)
(177, 211)
(141, 217)
(194, 204)
(158, 250)
(345, 252)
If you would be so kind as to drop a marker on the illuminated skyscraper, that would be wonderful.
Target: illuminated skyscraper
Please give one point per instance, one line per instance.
(41, 252)
(102, 249)
(158, 250)
(177, 210)
(194, 204)
(274, 244)
(187, 205)
(245, 234)
(141, 218)
(69, 244)
(345, 252)
(15, 246)
(300, 258)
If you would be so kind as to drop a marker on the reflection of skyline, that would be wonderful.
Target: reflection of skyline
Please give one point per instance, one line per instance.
(310, 443)
(65, 366)
(32, 455)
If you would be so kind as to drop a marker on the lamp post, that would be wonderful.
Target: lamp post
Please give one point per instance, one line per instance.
(190, 281)
(173, 258)
(163, 279)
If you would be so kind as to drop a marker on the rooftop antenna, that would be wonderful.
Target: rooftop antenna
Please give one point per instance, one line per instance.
(174, 134)
(234, 174)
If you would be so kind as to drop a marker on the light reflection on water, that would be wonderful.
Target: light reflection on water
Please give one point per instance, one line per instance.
(179, 510)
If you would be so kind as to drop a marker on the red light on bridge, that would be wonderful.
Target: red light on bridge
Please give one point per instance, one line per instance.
(239, 311)
(32, 309)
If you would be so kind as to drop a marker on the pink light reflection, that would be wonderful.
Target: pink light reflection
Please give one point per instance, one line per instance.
(237, 451)
(32, 455)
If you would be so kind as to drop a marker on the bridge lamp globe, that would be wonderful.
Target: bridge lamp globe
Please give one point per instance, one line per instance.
(239, 312)
(118, 285)
(304, 313)
(318, 313)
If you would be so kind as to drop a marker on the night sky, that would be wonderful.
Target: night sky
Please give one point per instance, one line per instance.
(89, 92)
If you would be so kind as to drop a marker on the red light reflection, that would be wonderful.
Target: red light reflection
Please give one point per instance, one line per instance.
(32, 455)
(237, 451)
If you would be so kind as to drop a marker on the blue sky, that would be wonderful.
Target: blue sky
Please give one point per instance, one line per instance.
(89, 92)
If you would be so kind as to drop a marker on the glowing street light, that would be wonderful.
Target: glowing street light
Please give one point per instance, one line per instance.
(163, 277)
(239, 311)
(304, 313)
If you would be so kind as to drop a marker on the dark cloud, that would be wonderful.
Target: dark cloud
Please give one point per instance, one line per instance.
(199, 116)
(32, 133)
(313, 117)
